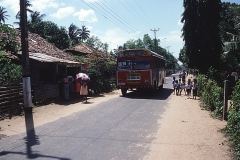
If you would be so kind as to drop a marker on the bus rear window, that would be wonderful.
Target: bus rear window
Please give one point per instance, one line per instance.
(124, 64)
(142, 64)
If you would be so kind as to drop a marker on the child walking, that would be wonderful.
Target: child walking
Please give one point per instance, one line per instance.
(189, 88)
(173, 83)
(194, 88)
(177, 87)
(182, 86)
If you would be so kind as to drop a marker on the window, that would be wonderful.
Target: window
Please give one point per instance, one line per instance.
(142, 64)
(124, 64)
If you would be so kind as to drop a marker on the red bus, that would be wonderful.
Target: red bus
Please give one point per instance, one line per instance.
(140, 69)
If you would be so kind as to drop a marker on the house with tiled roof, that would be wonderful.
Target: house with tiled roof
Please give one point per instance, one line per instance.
(80, 49)
(47, 63)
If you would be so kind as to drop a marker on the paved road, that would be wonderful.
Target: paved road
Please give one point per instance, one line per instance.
(120, 128)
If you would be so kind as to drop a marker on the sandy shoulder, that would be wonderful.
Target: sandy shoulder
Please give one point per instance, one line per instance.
(50, 113)
(188, 132)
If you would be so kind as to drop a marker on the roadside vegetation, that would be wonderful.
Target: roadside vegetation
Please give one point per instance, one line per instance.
(212, 46)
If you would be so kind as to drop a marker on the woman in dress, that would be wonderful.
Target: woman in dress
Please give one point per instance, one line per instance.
(84, 91)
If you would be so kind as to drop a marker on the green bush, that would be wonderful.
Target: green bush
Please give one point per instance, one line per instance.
(10, 72)
(233, 124)
(211, 95)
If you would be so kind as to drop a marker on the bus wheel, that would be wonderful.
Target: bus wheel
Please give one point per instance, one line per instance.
(124, 91)
(154, 90)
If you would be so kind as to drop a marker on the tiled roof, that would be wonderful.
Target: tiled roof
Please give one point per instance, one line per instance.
(46, 58)
(81, 48)
(37, 44)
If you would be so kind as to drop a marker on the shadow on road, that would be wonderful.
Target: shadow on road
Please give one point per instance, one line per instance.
(30, 140)
(162, 94)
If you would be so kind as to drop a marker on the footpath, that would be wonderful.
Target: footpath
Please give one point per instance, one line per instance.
(186, 131)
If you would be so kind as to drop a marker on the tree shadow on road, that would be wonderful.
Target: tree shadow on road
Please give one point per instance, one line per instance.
(162, 94)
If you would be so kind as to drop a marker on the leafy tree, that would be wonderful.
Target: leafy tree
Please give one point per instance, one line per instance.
(147, 41)
(201, 33)
(50, 31)
(139, 43)
(74, 34)
(182, 56)
(230, 33)
(130, 44)
(7, 42)
(10, 72)
(84, 33)
(96, 43)
(3, 15)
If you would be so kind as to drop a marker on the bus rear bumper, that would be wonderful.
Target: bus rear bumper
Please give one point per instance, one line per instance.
(135, 87)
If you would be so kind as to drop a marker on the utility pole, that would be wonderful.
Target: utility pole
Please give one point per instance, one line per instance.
(25, 56)
(155, 31)
(83, 22)
(168, 48)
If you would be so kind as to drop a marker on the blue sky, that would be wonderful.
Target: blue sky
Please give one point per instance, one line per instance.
(114, 21)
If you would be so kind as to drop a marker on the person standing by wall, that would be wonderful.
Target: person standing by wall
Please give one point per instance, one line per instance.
(65, 88)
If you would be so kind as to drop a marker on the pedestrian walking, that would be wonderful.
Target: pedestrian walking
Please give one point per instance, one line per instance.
(194, 88)
(189, 88)
(177, 87)
(84, 91)
(173, 83)
(182, 87)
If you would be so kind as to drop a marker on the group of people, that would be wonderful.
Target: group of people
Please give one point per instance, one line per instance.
(189, 88)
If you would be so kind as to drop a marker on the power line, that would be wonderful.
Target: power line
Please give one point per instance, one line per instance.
(107, 18)
(114, 16)
(119, 16)
(145, 13)
(138, 17)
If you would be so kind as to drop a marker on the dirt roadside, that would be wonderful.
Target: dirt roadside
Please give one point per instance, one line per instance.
(186, 131)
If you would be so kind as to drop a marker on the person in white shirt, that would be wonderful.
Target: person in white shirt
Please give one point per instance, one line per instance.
(189, 88)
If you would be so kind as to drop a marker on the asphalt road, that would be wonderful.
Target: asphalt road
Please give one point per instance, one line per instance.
(120, 128)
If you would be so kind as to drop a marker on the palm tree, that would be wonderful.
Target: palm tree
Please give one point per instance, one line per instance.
(3, 14)
(28, 4)
(84, 33)
(74, 34)
(36, 16)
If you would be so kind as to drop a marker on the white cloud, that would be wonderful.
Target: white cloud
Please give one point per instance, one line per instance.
(14, 5)
(42, 5)
(63, 12)
(114, 37)
(86, 15)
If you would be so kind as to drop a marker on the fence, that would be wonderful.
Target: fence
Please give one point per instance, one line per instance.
(11, 100)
